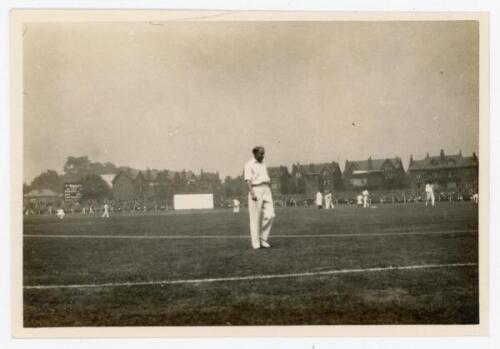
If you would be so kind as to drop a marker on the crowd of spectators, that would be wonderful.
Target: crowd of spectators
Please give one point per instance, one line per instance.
(376, 197)
(149, 205)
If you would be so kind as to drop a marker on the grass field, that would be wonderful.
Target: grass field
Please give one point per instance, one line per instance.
(395, 264)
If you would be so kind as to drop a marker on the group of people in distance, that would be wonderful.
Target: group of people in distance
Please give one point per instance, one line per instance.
(60, 212)
(327, 199)
(363, 198)
(261, 205)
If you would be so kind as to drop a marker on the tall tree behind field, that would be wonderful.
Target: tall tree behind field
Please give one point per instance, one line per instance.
(95, 188)
(234, 186)
(164, 190)
(26, 188)
(81, 166)
(48, 180)
(179, 183)
(77, 166)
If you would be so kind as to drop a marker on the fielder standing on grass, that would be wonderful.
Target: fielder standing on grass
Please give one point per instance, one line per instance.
(106, 211)
(236, 205)
(429, 194)
(260, 200)
(365, 195)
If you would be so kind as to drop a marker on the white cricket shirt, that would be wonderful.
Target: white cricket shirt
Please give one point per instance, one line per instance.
(429, 188)
(256, 172)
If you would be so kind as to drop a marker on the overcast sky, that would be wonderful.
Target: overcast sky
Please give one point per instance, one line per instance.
(201, 95)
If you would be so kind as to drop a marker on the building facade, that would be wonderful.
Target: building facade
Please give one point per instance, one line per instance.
(447, 172)
(123, 187)
(374, 174)
(42, 196)
(279, 179)
(309, 179)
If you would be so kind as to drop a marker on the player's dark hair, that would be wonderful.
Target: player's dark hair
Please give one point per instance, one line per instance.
(256, 149)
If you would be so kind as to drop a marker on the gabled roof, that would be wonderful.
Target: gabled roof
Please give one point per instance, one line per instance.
(153, 175)
(38, 193)
(120, 174)
(318, 168)
(443, 162)
(373, 164)
(108, 178)
(133, 173)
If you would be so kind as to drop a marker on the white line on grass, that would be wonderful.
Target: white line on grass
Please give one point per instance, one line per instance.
(284, 236)
(251, 277)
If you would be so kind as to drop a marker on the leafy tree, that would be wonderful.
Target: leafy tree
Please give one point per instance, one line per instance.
(26, 188)
(95, 188)
(234, 186)
(82, 166)
(164, 188)
(109, 167)
(48, 180)
(179, 183)
(78, 166)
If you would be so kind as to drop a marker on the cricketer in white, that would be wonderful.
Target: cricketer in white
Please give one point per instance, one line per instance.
(260, 200)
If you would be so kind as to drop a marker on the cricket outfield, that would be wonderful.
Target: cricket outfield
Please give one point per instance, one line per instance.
(395, 264)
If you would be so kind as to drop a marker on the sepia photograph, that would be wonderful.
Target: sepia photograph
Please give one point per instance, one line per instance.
(229, 170)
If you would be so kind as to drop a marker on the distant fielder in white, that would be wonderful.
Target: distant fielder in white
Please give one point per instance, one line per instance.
(359, 200)
(429, 193)
(328, 200)
(260, 201)
(60, 213)
(365, 195)
(236, 205)
(319, 200)
(475, 198)
(106, 211)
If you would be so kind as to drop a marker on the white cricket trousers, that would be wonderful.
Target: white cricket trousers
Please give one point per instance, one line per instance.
(261, 214)
(328, 204)
(430, 197)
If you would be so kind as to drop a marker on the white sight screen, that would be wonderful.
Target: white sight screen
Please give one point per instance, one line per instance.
(193, 201)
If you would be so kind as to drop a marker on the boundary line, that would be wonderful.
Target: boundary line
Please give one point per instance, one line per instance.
(280, 236)
(247, 278)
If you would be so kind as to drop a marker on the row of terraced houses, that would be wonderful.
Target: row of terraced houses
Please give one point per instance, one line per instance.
(455, 173)
(449, 173)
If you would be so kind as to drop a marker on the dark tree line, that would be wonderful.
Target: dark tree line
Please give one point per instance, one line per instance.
(165, 185)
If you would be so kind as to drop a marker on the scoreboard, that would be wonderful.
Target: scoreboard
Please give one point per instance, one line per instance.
(72, 192)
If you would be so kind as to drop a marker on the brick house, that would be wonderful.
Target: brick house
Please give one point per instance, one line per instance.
(374, 174)
(123, 186)
(279, 179)
(447, 172)
(309, 179)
